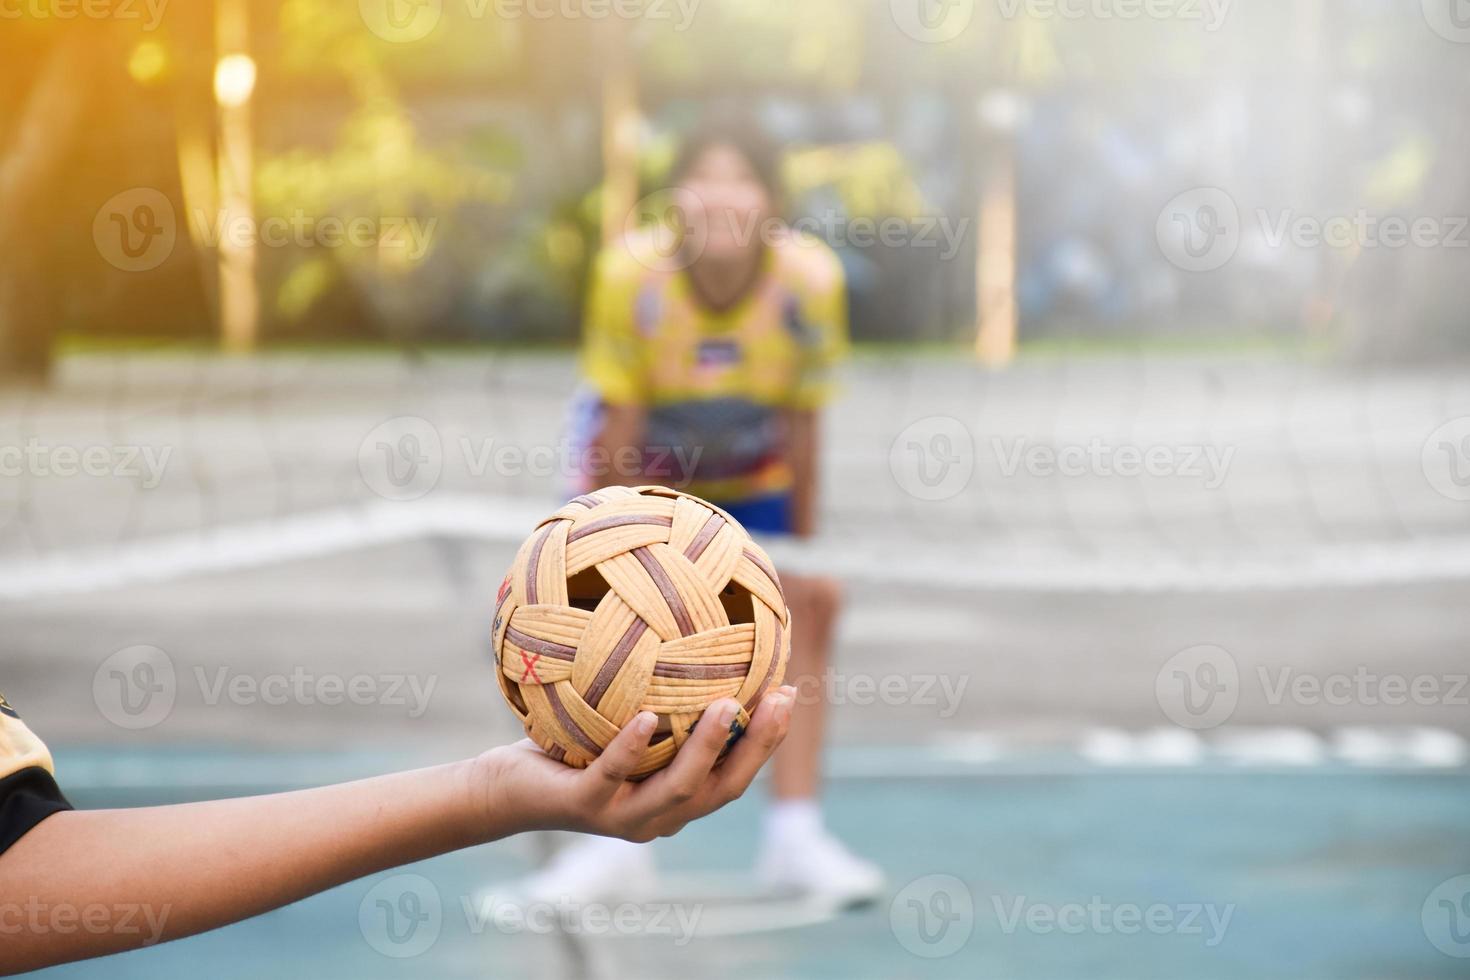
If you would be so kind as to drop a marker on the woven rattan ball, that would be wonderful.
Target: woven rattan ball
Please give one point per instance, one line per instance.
(628, 600)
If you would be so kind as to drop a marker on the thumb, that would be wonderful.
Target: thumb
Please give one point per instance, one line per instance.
(621, 757)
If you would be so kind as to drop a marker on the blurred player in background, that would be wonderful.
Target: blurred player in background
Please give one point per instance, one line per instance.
(709, 355)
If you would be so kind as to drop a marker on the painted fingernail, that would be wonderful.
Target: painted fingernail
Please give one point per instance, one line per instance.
(643, 724)
(737, 729)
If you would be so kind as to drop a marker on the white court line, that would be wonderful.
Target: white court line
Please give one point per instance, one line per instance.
(258, 544)
(506, 520)
(1432, 748)
(1386, 750)
(1230, 749)
(1276, 748)
(1115, 748)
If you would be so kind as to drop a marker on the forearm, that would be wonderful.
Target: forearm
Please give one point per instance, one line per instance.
(83, 884)
(189, 868)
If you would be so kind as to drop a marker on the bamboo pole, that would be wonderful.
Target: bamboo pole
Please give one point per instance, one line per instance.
(239, 297)
(620, 122)
(997, 312)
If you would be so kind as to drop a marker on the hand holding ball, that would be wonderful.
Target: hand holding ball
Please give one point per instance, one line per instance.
(636, 600)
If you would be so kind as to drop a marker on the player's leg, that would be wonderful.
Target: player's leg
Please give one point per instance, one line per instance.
(798, 852)
(815, 604)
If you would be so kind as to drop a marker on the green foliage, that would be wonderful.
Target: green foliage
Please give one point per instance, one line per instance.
(378, 166)
(872, 180)
(322, 38)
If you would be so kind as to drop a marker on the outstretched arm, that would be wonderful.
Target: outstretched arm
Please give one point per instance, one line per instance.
(185, 869)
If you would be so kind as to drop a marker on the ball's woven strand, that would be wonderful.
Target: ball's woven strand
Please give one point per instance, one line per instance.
(660, 639)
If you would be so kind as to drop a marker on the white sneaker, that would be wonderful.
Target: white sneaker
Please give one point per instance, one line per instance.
(591, 871)
(817, 866)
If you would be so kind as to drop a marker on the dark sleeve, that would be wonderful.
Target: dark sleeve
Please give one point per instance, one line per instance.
(26, 798)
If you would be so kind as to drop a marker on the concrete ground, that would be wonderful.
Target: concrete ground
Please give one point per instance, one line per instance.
(1193, 626)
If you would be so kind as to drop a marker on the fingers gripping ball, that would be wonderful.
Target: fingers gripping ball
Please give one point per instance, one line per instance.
(636, 600)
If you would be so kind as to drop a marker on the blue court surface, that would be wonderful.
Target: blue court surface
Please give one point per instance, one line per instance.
(1047, 868)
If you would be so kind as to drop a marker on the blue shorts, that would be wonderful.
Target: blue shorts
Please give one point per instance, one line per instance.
(764, 515)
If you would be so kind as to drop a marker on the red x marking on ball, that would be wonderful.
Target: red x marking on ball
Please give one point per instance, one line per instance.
(530, 669)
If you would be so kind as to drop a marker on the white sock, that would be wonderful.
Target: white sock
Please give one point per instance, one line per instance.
(589, 847)
(790, 821)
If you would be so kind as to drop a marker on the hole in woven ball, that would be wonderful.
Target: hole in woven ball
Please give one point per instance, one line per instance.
(739, 604)
(513, 692)
(586, 589)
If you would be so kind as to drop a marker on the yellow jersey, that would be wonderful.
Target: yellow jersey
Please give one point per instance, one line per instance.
(714, 383)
